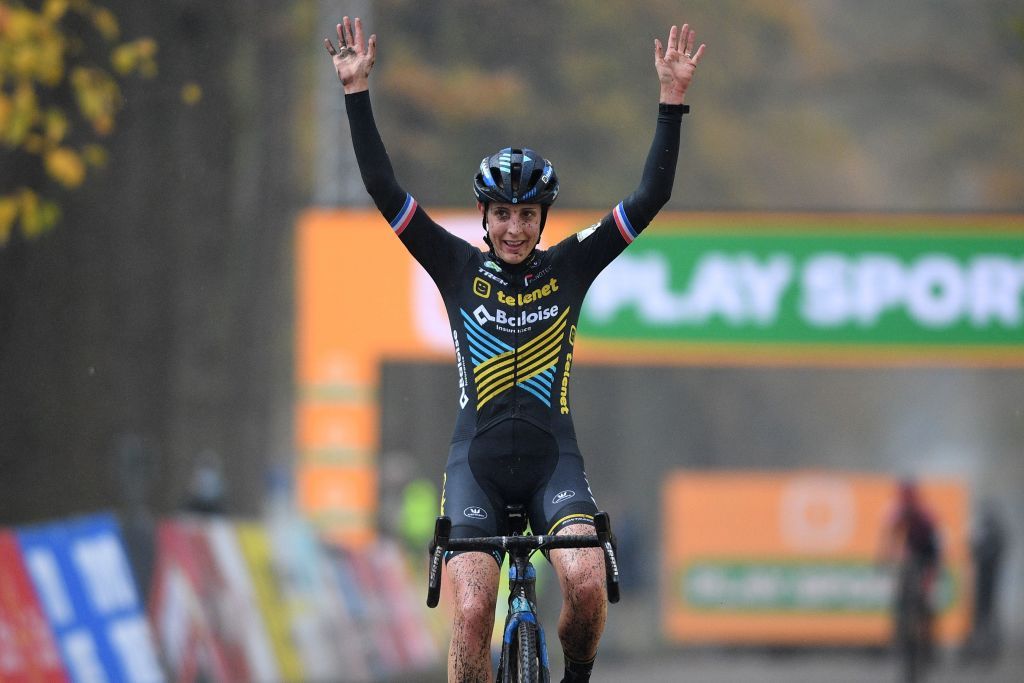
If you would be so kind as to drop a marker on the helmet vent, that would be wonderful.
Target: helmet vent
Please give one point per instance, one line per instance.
(535, 177)
(517, 172)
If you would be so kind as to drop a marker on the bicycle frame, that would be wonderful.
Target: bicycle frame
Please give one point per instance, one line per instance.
(522, 607)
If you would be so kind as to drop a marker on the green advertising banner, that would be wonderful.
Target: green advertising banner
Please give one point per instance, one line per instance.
(884, 286)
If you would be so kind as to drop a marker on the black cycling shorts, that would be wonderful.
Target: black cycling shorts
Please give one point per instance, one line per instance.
(515, 462)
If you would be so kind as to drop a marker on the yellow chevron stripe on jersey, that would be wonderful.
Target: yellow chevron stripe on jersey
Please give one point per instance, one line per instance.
(499, 373)
(503, 378)
(491, 365)
(546, 334)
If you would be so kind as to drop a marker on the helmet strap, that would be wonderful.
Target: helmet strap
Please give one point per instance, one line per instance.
(483, 221)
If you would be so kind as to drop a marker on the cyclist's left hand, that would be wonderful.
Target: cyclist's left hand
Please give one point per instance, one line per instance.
(676, 63)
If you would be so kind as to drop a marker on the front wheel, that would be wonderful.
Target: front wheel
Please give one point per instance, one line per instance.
(525, 664)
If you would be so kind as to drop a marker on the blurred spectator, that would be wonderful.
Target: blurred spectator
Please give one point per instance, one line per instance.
(206, 492)
(910, 543)
(419, 510)
(988, 546)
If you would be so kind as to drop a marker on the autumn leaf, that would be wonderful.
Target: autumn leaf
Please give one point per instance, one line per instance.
(65, 166)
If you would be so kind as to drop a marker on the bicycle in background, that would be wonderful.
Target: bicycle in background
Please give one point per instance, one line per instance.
(524, 654)
(913, 621)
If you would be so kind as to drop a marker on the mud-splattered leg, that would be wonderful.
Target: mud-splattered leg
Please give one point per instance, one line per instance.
(584, 599)
(475, 578)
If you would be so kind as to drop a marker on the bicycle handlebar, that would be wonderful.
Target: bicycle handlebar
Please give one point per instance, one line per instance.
(443, 543)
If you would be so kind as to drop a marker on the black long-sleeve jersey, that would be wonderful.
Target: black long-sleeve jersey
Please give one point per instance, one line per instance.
(513, 326)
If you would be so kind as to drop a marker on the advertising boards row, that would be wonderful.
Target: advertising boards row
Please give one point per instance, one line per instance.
(231, 601)
(241, 601)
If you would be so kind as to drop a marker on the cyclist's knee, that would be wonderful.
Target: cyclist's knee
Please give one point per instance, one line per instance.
(475, 580)
(586, 584)
(581, 571)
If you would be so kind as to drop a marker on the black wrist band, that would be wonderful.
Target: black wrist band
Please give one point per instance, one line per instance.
(679, 109)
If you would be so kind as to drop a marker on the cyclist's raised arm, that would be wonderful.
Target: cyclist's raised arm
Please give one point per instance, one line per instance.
(675, 65)
(353, 60)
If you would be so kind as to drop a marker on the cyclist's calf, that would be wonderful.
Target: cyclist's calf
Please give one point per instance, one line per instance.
(475, 580)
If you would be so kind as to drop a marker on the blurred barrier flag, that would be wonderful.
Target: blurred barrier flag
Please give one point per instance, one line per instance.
(28, 652)
(772, 558)
(84, 581)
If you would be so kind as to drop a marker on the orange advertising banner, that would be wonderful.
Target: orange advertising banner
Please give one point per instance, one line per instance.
(793, 559)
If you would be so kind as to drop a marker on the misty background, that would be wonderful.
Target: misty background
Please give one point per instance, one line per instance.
(155, 322)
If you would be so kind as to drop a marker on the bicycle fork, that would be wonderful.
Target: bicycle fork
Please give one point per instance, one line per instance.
(522, 608)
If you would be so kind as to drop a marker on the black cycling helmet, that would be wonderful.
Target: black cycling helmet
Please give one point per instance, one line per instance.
(516, 176)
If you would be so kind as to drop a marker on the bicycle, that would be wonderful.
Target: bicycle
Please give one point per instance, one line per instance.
(524, 655)
(913, 620)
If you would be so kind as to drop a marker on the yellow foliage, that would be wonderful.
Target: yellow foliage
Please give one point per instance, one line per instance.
(8, 214)
(56, 125)
(6, 108)
(106, 23)
(37, 214)
(98, 96)
(65, 166)
(123, 58)
(191, 93)
(55, 9)
(22, 115)
(38, 54)
(95, 155)
(146, 48)
(33, 143)
(19, 25)
(138, 55)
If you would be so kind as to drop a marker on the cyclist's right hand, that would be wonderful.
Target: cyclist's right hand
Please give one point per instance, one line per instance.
(353, 58)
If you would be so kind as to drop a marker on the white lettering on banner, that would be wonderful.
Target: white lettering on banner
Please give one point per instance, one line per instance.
(50, 584)
(934, 290)
(105, 573)
(739, 288)
(994, 287)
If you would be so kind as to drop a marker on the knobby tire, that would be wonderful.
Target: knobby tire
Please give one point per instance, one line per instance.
(525, 665)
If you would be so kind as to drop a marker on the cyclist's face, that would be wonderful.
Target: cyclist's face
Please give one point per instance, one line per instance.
(514, 230)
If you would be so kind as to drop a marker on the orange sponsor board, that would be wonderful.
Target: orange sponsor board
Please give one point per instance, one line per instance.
(340, 499)
(340, 427)
(768, 558)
